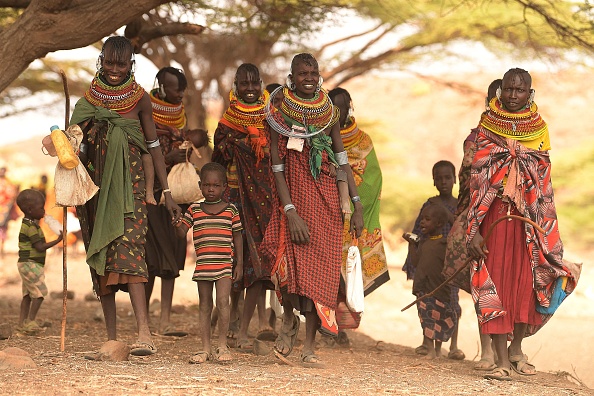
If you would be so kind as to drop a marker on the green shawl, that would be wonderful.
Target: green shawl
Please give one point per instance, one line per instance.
(116, 200)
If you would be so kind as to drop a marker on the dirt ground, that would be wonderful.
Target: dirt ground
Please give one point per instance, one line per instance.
(381, 358)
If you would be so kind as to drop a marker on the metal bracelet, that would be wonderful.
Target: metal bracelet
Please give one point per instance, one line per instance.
(289, 207)
(356, 198)
(341, 158)
(278, 168)
(83, 148)
(153, 143)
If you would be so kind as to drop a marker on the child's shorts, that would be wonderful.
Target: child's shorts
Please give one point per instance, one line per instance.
(33, 277)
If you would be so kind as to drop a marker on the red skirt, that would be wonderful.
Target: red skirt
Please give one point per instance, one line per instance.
(508, 263)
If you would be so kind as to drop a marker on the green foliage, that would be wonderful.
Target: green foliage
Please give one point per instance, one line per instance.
(574, 194)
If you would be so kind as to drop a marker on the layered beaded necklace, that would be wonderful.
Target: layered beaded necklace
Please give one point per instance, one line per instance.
(315, 115)
(165, 113)
(121, 98)
(247, 114)
(523, 125)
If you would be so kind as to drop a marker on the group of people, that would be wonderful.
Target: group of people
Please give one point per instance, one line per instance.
(271, 217)
(290, 182)
(501, 235)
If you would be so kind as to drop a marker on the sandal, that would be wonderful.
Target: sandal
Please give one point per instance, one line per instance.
(287, 339)
(267, 334)
(500, 374)
(223, 355)
(244, 345)
(142, 349)
(421, 350)
(311, 360)
(200, 357)
(519, 363)
(171, 331)
(485, 365)
(456, 355)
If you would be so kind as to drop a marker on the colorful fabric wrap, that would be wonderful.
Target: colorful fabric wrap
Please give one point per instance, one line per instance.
(368, 178)
(248, 118)
(165, 113)
(116, 199)
(121, 98)
(493, 160)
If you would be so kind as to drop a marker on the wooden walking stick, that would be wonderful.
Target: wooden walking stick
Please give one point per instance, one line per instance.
(489, 231)
(64, 230)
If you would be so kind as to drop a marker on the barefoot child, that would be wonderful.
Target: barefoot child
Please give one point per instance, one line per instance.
(444, 178)
(438, 318)
(216, 229)
(32, 247)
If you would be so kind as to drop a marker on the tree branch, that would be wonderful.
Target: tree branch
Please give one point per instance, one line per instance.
(14, 3)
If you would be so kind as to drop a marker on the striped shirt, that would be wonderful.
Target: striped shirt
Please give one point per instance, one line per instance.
(213, 240)
(29, 235)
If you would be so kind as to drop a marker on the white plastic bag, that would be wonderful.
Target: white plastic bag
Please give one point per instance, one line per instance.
(354, 279)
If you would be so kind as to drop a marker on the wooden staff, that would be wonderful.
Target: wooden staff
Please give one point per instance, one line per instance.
(489, 231)
(64, 229)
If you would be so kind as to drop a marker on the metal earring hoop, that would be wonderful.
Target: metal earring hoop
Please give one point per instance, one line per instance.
(290, 84)
(498, 93)
(531, 98)
(320, 81)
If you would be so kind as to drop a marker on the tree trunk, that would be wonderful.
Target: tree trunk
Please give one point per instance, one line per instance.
(51, 25)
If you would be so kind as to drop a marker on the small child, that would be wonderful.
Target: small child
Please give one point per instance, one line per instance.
(438, 318)
(216, 230)
(444, 178)
(32, 247)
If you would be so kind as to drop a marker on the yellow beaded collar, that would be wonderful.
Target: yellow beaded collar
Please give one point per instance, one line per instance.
(164, 113)
(526, 124)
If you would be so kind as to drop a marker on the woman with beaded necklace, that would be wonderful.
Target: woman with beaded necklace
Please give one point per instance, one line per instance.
(519, 276)
(304, 236)
(116, 118)
(240, 144)
(165, 253)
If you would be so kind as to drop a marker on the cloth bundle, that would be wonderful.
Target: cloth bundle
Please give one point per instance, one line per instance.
(183, 181)
(74, 186)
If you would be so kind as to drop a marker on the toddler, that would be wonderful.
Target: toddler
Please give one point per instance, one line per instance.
(32, 247)
(216, 230)
(438, 318)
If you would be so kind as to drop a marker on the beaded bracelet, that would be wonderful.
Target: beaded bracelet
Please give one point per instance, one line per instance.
(289, 207)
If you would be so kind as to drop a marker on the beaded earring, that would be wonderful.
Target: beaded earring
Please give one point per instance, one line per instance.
(289, 83)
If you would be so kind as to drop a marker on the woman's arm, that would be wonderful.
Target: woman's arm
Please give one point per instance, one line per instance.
(150, 134)
(297, 227)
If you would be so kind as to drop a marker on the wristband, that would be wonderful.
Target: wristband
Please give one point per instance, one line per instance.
(153, 143)
(356, 198)
(289, 207)
(341, 158)
(278, 168)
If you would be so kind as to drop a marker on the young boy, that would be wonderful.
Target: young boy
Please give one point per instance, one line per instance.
(216, 228)
(32, 247)
(438, 318)
(444, 178)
